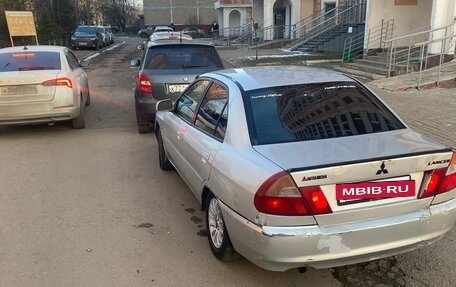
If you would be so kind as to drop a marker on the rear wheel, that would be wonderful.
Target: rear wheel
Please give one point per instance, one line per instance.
(219, 241)
(79, 122)
(163, 161)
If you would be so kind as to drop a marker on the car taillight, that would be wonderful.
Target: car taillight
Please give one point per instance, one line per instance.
(316, 200)
(143, 83)
(440, 180)
(279, 195)
(59, 82)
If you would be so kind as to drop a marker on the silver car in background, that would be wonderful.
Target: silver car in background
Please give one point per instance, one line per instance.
(299, 166)
(42, 84)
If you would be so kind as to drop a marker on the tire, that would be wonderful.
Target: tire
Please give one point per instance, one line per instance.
(163, 160)
(79, 122)
(219, 241)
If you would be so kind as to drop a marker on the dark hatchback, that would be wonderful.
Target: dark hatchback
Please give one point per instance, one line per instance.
(165, 70)
(87, 37)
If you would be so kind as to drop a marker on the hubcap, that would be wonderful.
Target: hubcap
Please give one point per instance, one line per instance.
(215, 221)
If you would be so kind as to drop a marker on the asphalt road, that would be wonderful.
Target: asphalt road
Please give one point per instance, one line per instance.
(92, 208)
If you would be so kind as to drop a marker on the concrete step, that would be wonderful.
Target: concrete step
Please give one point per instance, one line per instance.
(367, 68)
(375, 63)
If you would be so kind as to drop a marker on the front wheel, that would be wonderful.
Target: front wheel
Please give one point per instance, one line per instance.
(219, 241)
(163, 160)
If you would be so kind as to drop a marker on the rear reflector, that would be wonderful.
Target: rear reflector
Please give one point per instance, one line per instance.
(59, 82)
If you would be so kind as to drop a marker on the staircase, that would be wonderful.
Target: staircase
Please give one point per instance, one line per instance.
(327, 32)
(388, 56)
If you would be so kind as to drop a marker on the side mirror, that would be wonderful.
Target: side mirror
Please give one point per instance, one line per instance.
(135, 63)
(83, 63)
(140, 47)
(164, 105)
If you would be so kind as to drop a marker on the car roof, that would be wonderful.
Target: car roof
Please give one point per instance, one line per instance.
(169, 35)
(37, 48)
(163, 27)
(252, 78)
(178, 42)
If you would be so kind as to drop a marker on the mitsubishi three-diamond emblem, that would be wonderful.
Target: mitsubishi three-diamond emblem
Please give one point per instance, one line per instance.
(382, 169)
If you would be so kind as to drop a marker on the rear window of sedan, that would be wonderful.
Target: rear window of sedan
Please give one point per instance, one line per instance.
(87, 29)
(182, 57)
(315, 111)
(29, 61)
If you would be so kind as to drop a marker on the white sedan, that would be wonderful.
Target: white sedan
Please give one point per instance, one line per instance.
(298, 166)
(42, 84)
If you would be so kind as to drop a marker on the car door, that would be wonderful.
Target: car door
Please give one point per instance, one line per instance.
(78, 75)
(200, 137)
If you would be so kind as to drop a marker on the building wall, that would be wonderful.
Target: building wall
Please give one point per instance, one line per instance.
(164, 12)
(307, 8)
(407, 18)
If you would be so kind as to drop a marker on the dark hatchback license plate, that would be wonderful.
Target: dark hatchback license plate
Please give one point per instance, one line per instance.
(372, 190)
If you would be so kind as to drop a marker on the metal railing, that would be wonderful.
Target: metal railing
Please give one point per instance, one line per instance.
(418, 51)
(328, 21)
(373, 38)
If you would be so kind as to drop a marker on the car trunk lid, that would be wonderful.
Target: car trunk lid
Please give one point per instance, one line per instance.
(27, 86)
(391, 162)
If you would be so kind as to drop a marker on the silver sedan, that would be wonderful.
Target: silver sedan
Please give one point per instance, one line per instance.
(299, 166)
(42, 84)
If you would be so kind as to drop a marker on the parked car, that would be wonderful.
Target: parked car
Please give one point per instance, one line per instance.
(158, 36)
(42, 84)
(87, 37)
(194, 32)
(146, 32)
(309, 168)
(165, 70)
(110, 35)
(163, 29)
(104, 33)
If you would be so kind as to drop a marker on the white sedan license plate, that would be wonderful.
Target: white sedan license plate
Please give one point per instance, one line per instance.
(176, 88)
(19, 90)
(374, 190)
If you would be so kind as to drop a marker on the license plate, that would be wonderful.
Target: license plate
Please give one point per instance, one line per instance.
(82, 44)
(176, 88)
(374, 190)
(19, 90)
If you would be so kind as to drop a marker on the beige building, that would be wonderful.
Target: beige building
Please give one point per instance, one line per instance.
(191, 12)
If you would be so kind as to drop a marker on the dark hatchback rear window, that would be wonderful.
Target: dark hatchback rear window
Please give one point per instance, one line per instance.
(182, 57)
(315, 111)
(29, 60)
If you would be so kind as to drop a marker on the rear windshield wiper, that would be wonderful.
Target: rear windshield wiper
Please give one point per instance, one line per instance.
(193, 66)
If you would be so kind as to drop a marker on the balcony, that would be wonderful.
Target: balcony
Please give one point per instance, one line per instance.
(232, 3)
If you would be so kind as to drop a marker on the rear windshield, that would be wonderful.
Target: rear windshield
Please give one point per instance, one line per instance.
(28, 61)
(182, 57)
(86, 29)
(315, 111)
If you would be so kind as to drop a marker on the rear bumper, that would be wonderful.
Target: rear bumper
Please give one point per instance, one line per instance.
(145, 107)
(66, 108)
(282, 248)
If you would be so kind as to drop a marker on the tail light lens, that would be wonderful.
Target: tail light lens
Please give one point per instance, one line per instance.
(279, 195)
(143, 83)
(440, 180)
(59, 82)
